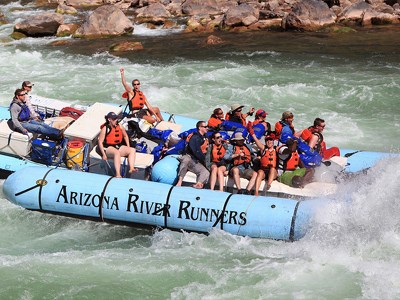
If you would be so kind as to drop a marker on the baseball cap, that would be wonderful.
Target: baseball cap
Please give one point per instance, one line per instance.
(261, 113)
(112, 115)
(27, 83)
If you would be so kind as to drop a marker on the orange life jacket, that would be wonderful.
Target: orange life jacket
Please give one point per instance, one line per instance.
(217, 153)
(291, 163)
(137, 101)
(246, 159)
(242, 120)
(214, 122)
(308, 133)
(113, 135)
(268, 159)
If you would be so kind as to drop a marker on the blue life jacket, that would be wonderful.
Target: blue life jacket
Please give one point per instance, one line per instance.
(231, 126)
(24, 114)
(309, 157)
(160, 134)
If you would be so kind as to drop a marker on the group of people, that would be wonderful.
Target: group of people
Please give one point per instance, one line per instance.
(209, 153)
(25, 119)
(286, 155)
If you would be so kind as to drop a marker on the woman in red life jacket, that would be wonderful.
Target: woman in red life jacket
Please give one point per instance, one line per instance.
(216, 119)
(268, 161)
(314, 138)
(137, 102)
(218, 164)
(110, 144)
(235, 114)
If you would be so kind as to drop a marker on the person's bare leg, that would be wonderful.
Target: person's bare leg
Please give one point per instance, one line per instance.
(221, 178)
(259, 179)
(236, 177)
(272, 175)
(252, 181)
(213, 176)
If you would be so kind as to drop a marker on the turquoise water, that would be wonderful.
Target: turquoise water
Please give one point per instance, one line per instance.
(352, 81)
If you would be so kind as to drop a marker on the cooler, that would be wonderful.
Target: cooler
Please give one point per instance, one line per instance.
(43, 151)
(13, 142)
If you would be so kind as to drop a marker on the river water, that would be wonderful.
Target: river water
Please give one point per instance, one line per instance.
(351, 80)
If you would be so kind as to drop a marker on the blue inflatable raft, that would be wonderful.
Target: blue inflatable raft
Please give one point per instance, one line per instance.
(138, 202)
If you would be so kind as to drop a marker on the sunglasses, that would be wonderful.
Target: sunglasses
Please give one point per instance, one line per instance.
(218, 137)
(136, 84)
(204, 126)
(29, 86)
(21, 94)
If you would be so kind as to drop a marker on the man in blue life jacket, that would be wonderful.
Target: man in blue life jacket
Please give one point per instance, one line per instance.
(23, 121)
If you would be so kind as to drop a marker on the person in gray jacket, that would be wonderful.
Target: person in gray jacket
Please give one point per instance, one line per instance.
(24, 122)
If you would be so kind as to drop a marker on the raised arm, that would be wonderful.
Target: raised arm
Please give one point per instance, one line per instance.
(256, 140)
(124, 83)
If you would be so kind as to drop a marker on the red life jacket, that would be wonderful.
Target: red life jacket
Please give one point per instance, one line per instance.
(217, 153)
(246, 159)
(268, 159)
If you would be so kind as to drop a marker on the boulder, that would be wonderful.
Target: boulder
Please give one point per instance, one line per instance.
(175, 9)
(121, 4)
(214, 40)
(243, 14)
(193, 24)
(126, 46)
(216, 22)
(385, 19)
(65, 9)
(67, 29)
(83, 3)
(211, 7)
(274, 24)
(40, 25)
(155, 13)
(107, 20)
(309, 15)
(358, 13)
(3, 19)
